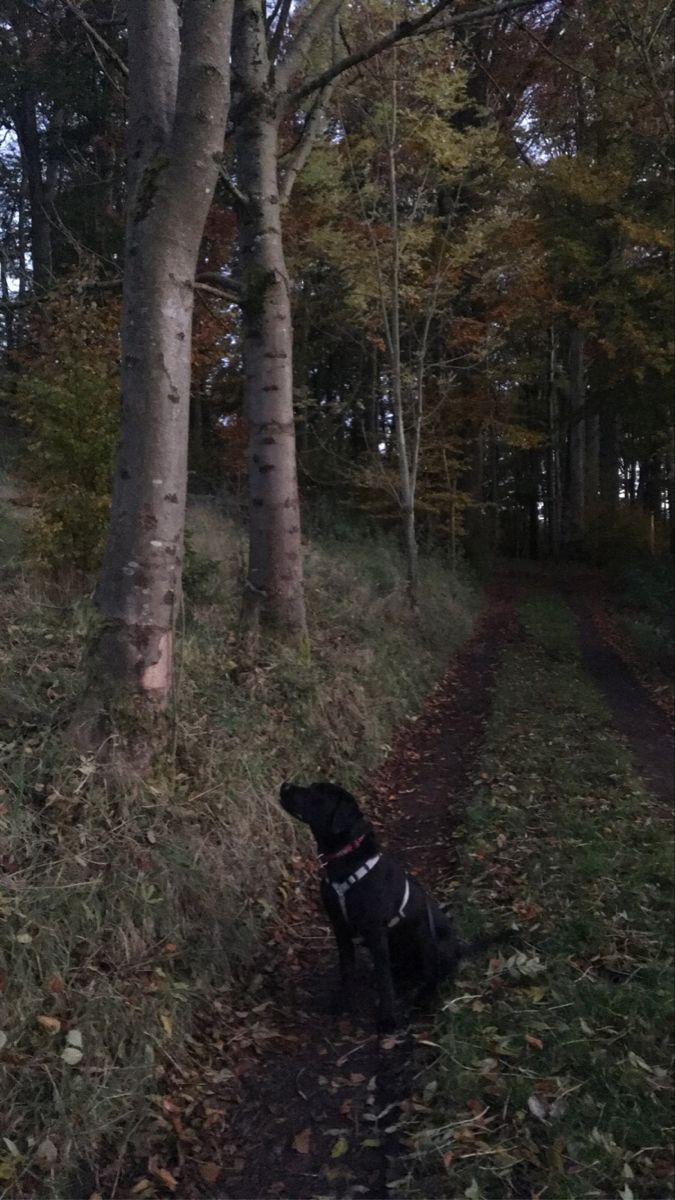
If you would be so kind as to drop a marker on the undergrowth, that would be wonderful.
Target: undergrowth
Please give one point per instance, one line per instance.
(552, 1071)
(129, 908)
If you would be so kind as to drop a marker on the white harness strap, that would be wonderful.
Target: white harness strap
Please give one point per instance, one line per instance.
(342, 888)
(402, 906)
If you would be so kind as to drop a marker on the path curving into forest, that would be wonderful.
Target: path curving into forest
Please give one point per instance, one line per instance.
(315, 1117)
(316, 1111)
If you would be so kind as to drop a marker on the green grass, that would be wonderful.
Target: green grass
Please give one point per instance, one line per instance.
(644, 591)
(551, 1072)
(130, 907)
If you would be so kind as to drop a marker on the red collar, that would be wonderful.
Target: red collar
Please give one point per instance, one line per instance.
(324, 858)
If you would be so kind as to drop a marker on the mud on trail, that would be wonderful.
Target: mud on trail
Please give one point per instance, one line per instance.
(317, 1115)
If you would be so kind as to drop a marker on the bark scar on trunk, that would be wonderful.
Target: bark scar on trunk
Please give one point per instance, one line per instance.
(157, 675)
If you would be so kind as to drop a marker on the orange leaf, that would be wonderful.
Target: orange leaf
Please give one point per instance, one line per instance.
(51, 1024)
(535, 1042)
(447, 1158)
(55, 984)
(302, 1140)
(210, 1172)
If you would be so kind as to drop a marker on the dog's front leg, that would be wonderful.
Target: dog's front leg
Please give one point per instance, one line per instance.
(378, 945)
(346, 956)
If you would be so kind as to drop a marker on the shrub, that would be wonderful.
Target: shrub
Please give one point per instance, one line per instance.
(66, 398)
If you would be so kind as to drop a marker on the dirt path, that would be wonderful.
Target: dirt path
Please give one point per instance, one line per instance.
(320, 1103)
(646, 727)
(317, 1116)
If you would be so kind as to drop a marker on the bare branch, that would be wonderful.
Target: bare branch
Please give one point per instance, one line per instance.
(301, 152)
(408, 29)
(238, 197)
(311, 28)
(96, 37)
(219, 285)
(64, 289)
(280, 28)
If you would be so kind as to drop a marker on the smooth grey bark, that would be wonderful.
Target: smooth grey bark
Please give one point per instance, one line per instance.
(178, 103)
(274, 587)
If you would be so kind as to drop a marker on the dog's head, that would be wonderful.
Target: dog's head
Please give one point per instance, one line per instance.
(331, 812)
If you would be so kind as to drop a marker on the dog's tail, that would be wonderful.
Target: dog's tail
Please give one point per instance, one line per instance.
(486, 941)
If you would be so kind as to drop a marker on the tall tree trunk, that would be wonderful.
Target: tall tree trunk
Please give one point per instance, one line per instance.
(577, 439)
(472, 483)
(609, 456)
(649, 486)
(406, 472)
(274, 588)
(553, 459)
(31, 157)
(591, 462)
(178, 100)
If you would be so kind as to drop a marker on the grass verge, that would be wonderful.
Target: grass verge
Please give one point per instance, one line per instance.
(128, 909)
(551, 1074)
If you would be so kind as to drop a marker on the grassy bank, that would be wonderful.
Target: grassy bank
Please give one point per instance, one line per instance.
(551, 1071)
(126, 909)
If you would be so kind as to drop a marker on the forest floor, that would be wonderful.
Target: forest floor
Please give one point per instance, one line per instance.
(284, 1100)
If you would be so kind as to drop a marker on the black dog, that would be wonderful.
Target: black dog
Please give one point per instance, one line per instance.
(370, 898)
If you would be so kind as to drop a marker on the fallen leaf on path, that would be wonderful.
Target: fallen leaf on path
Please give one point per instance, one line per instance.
(71, 1056)
(341, 1147)
(210, 1172)
(166, 1178)
(51, 1024)
(301, 1141)
(538, 1107)
(46, 1153)
(533, 1041)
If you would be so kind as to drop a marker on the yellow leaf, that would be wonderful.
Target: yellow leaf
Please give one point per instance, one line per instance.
(166, 1023)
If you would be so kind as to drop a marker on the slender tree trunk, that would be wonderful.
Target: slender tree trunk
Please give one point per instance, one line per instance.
(591, 462)
(649, 487)
(554, 475)
(472, 482)
(406, 473)
(608, 456)
(178, 99)
(40, 227)
(274, 588)
(577, 438)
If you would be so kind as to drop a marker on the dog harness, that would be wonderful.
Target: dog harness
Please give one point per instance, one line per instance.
(345, 885)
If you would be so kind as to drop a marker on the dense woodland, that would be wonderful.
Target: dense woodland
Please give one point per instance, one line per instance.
(335, 355)
(432, 251)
